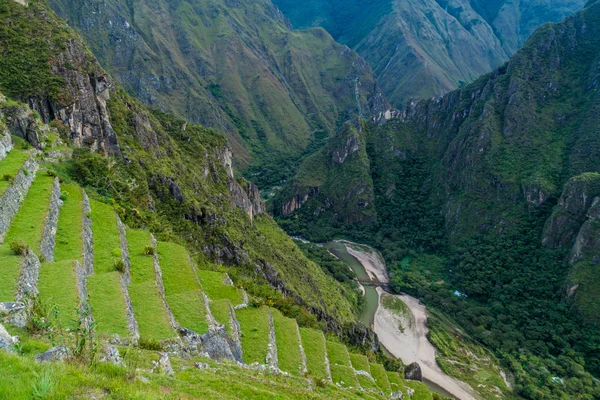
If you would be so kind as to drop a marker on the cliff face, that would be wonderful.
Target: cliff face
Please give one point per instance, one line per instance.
(234, 66)
(424, 48)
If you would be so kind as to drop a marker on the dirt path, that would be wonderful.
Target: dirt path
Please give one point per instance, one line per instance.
(411, 343)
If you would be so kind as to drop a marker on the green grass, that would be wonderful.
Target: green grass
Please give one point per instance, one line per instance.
(313, 342)
(215, 289)
(108, 303)
(366, 382)
(421, 391)
(150, 312)
(254, 323)
(183, 292)
(360, 362)
(396, 382)
(344, 376)
(338, 354)
(10, 166)
(104, 287)
(107, 243)
(378, 373)
(220, 309)
(28, 224)
(69, 239)
(10, 267)
(58, 287)
(288, 343)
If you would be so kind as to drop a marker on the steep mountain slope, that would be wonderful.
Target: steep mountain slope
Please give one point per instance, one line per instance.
(234, 66)
(486, 203)
(424, 48)
(162, 173)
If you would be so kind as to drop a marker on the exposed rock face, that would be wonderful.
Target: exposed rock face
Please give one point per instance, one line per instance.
(163, 365)
(413, 372)
(6, 144)
(55, 354)
(217, 344)
(49, 235)
(21, 123)
(297, 201)
(339, 154)
(587, 244)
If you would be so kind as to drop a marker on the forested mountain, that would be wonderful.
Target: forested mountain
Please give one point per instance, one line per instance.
(500, 179)
(425, 48)
(233, 66)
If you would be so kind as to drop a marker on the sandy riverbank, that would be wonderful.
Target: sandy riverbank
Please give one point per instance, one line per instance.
(411, 344)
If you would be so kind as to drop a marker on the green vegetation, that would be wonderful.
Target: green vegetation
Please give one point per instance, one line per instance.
(10, 267)
(315, 349)
(104, 287)
(69, 239)
(338, 354)
(254, 323)
(10, 166)
(150, 312)
(182, 290)
(360, 362)
(288, 343)
(421, 391)
(221, 311)
(215, 288)
(58, 288)
(366, 382)
(28, 225)
(396, 382)
(344, 376)
(379, 373)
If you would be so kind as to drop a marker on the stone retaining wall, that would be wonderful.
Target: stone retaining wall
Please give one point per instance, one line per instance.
(49, 236)
(272, 360)
(88, 237)
(14, 195)
(27, 289)
(132, 324)
(160, 284)
(236, 329)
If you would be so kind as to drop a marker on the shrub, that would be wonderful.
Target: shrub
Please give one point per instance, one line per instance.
(64, 196)
(149, 250)
(149, 344)
(8, 178)
(120, 265)
(43, 388)
(20, 248)
(51, 173)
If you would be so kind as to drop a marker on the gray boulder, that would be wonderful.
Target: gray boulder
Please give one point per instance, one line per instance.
(217, 344)
(397, 396)
(112, 356)
(59, 353)
(413, 372)
(6, 340)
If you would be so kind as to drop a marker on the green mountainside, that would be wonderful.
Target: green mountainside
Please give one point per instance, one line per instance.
(490, 192)
(424, 48)
(233, 66)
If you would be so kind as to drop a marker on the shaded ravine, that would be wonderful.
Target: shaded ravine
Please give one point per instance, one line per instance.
(412, 345)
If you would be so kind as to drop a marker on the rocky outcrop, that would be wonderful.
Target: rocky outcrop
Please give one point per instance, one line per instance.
(587, 243)
(6, 340)
(49, 235)
(88, 237)
(216, 344)
(15, 194)
(297, 201)
(163, 365)
(247, 197)
(55, 354)
(27, 288)
(412, 372)
(6, 144)
(21, 123)
(111, 355)
(339, 154)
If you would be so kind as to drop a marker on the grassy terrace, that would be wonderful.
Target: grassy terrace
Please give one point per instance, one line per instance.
(421, 391)
(360, 362)
(28, 224)
(379, 373)
(313, 342)
(10, 267)
(215, 289)
(344, 376)
(220, 310)
(58, 287)
(104, 287)
(183, 292)
(69, 239)
(150, 312)
(396, 382)
(366, 383)
(288, 344)
(338, 354)
(10, 166)
(254, 323)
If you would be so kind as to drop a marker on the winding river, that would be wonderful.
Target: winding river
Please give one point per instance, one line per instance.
(411, 344)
